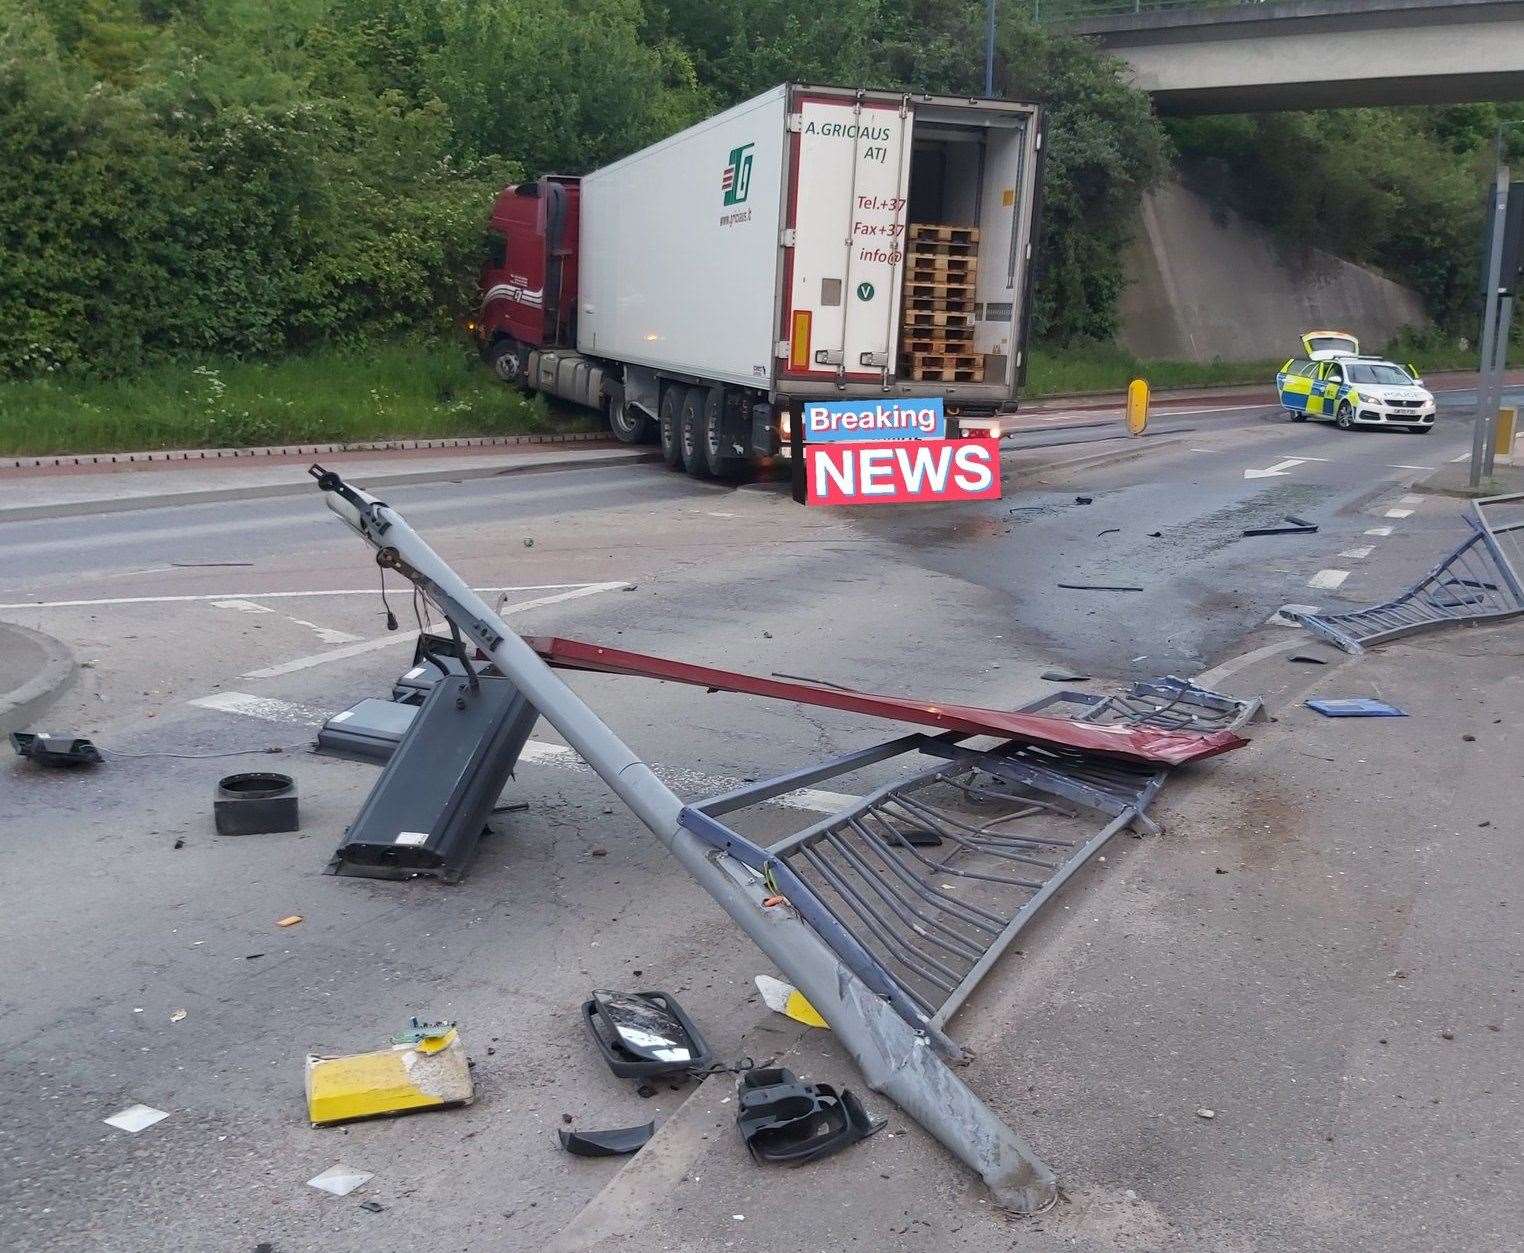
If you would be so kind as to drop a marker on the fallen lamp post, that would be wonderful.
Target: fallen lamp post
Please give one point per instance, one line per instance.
(899, 1050)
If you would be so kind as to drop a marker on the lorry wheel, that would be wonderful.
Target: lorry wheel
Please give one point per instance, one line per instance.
(629, 424)
(506, 361)
(723, 463)
(691, 432)
(671, 420)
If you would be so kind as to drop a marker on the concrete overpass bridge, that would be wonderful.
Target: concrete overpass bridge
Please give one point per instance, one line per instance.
(1250, 56)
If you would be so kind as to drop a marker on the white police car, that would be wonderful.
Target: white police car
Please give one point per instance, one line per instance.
(1355, 391)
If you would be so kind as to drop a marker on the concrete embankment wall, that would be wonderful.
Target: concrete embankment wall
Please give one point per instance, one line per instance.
(1206, 284)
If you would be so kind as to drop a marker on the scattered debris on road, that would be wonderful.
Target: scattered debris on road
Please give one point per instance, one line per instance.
(1306, 660)
(1063, 676)
(645, 1035)
(1354, 707)
(290, 920)
(258, 803)
(1294, 526)
(615, 1142)
(424, 1068)
(785, 1121)
(784, 998)
(136, 1118)
(47, 748)
(1206, 1113)
(1100, 587)
(340, 1180)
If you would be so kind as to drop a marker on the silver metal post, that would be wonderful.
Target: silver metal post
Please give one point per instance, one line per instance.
(896, 1059)
(1482, 425)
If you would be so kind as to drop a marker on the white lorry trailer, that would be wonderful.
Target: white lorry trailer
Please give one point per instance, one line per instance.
(811, 243)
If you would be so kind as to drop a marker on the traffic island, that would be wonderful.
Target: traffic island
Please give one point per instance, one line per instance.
(34, 669)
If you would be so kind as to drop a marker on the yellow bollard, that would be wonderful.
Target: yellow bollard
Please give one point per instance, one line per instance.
(1137, 406)
(1503, 432)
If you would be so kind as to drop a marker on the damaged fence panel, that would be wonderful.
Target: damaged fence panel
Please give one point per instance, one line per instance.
(1477, 582)
(902, 1054)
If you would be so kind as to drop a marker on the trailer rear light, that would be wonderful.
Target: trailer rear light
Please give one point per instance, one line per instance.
(799, 340)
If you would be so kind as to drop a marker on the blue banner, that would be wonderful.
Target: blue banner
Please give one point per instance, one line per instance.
(855, 421)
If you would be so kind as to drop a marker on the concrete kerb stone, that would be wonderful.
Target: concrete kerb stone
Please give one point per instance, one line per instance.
(301, 485)
(48, 667)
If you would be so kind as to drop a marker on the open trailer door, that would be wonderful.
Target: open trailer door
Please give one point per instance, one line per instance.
(849, 179)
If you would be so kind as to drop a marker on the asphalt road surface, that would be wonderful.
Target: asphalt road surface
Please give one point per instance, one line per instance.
(208, 630)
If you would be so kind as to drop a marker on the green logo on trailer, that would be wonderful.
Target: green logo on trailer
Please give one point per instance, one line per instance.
(865, 291)
(737, 177)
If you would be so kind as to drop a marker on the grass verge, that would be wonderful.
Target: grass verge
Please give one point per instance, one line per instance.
(408, 389)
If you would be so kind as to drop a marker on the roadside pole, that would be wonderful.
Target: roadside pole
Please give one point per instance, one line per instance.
(1482, 425)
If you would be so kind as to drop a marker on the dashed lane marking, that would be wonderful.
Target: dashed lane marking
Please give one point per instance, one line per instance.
(1379, 530)
(369, 646)
(252, 596)
(535, 752)
(1398, 513)
(1359, 554)
(1390, 466)
(1327, 580)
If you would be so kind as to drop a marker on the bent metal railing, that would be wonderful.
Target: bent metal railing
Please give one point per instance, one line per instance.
(1479, 581)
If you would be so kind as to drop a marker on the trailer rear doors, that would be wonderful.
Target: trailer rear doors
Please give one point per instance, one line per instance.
(850, 178)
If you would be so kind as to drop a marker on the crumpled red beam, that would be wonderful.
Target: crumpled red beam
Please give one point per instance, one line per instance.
(1148, 744)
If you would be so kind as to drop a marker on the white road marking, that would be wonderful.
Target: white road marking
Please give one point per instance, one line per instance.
(1398, 513)
(1359, 554)
(535, 752)
(215, 596)
(243, 606)
(1211, 678)
(370, 646)
(1379, 530)
(1465, 456)
(1280, 468)
(329, 635)
(1327, 580)
(267, 708)
(1400, 467)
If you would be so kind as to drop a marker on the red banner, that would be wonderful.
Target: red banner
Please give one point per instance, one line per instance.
(902, 471)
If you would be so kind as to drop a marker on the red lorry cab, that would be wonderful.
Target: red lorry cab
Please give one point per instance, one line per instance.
(529, 279)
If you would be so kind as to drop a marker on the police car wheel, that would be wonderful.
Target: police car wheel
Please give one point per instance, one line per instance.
(1296, 415)
(1345, 418)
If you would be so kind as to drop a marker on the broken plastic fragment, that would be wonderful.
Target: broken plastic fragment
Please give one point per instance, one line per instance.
(137, 1117)
(340, 1180)
(784, 998)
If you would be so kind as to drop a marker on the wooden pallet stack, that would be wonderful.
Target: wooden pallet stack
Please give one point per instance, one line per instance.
(937, 322)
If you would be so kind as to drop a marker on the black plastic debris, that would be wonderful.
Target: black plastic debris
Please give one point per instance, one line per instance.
(259, 803)
(614, 1142)
(1100, 587)
(1293, 526)
(787, 1122)
(1306, 660)
(1063, 676)
(645, 1035)
(49, 748)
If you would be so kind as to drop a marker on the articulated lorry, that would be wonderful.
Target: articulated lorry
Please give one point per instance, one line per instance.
(815, 243)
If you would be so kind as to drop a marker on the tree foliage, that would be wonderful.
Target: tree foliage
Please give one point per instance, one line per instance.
(1397, 189)
(250, 177)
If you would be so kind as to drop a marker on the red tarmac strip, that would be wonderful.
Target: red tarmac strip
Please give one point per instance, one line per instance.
(1149, 744)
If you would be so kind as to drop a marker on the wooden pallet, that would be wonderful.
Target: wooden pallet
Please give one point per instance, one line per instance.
(918, 347)
(917, 288)
(938, 266)
(958, 303)
(946, 360)
(960, 319)
(933, 374)
(943, 248)
(948, 234)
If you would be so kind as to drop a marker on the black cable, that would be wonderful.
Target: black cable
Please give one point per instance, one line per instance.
(237, 752)
(391, 618)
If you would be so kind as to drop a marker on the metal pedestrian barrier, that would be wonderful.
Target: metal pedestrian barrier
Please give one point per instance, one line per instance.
(1478, 582)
